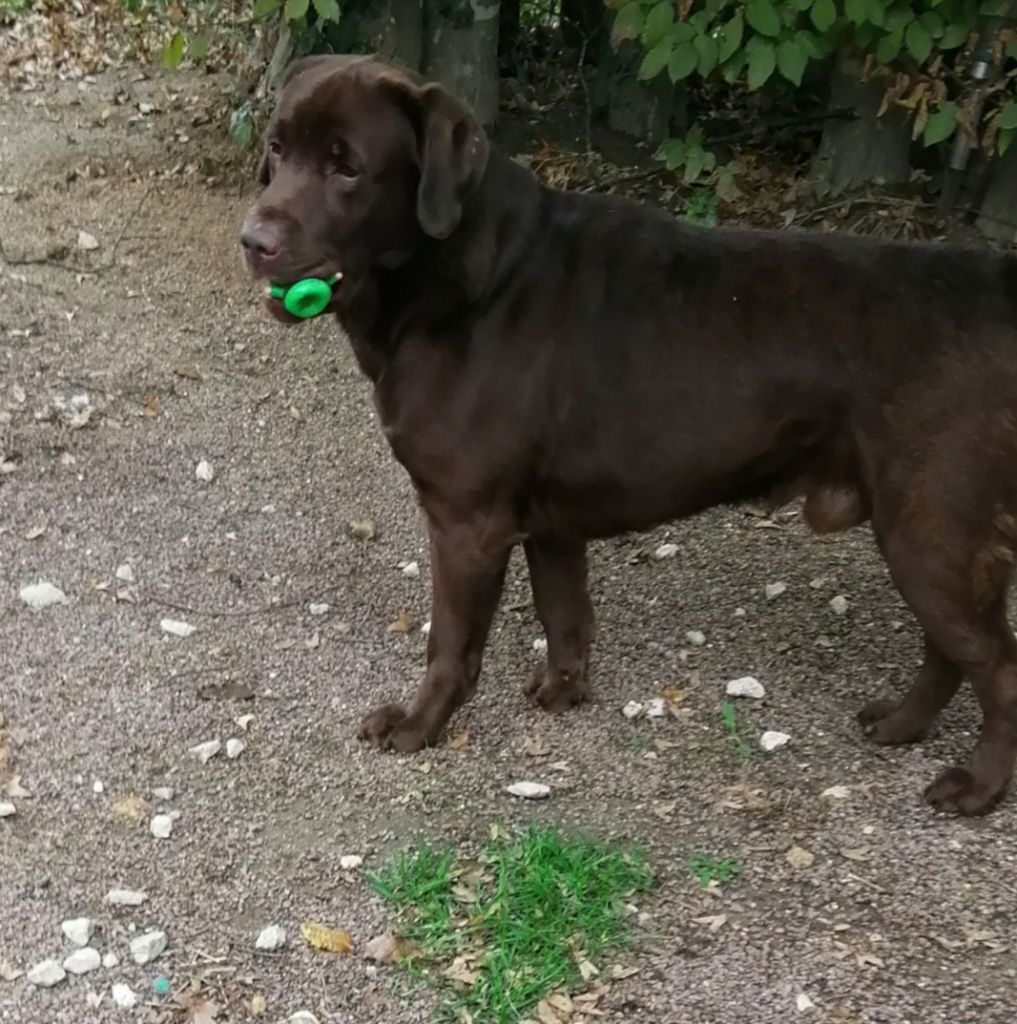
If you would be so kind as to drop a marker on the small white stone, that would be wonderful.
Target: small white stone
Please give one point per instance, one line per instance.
(204, 472)
(410, 569)
(839, 604)
(318, 608)
(773, 740)
(529, 790)
(78, 930)
(835, 793)
(163, 793)
(350, 862)
(271, 938)
(746, 686)
(244, 721)
(695, 637)
(666, 551)
(633, 709)
(204, 752)
(98, 788)
(426, 628)
(804, 1003)
(126, 897)
(46, 974)
(739, 613)
(656, 708)
(42, 595)
(7, 810)
(774, 590)
(161, 826)
(81, 961)
(125, 573)
(145, 948)
(234, 748)
(110, 960)
(177, 628)
(87, 242)
(302, 1017)
(124, 996)
(540, 645)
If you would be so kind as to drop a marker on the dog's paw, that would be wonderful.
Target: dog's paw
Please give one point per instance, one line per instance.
(886, 723)
(390, 727)
(959, 791)
(555, 692)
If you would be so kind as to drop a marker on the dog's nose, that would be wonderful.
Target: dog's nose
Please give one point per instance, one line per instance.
(261, 239)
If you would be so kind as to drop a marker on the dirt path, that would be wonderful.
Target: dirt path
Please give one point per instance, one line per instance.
(901, 917)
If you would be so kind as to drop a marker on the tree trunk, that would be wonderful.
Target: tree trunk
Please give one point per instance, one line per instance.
(998, 211)
(509, 27)
(398, 32)
(461, 51)
(643, 110)
(865, 150)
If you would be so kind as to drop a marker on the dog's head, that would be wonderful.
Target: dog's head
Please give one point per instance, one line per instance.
(363, 162)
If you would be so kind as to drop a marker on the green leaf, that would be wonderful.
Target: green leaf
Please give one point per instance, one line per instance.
(889, 46)
(173, 51)
(672, 153)
(857, 11)
(682, 62)
(791, 60)
(706, 47)
(876, 10)
(657, 23)
(197, 46)
(808, 44)
(1005, 138)
(932, 23)
(693, 165)
(940, 124)
(628, 23)
(730, 38)
(656, 60)
(263, 8)
(919, 41)
(295, 9)
(684, 32)
(763, 17)
(328, 10)
(953, 36)
(823, 14)
(732, 69)
(1008, 116)
(242, 126)
(761, 66)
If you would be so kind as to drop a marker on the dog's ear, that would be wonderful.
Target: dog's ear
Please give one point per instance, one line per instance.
(453, 157)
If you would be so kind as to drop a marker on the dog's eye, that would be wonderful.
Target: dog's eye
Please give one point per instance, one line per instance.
(341, 163)
(274, 147)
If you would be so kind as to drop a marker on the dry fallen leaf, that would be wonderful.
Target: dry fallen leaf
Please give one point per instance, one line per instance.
(36, 531)
(869, 960)
(8, 972)
(258, 1004)
(459, 972)
(536, 746)
(363, 529)
(130, 806)
(15, 790)
(384, 949)
(713, 921)
(328, 940)
(187, 371)
(663, 809)
(460, 740)
(198, 1008)
(800, 859)
(403, 624)
(150, 407)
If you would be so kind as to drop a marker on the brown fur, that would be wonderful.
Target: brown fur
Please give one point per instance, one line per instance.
(551, 368)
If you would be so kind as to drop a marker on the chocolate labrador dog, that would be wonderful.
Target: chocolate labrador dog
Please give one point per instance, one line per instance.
(551, 368)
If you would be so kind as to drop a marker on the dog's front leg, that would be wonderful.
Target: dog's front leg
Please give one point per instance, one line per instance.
(468, 562)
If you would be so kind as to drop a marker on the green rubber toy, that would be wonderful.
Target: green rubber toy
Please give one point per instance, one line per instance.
(306, 298)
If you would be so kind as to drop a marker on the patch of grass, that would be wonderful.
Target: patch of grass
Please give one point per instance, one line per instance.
(709, 869)
(523, 920)
(728, 714)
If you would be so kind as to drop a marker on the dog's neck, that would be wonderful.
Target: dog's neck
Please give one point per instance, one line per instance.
(442, 280)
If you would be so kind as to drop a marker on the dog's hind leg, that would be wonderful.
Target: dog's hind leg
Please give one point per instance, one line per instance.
(558, 580)
(954, 576)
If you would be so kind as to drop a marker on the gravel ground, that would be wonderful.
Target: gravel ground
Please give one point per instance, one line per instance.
(902, 916)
